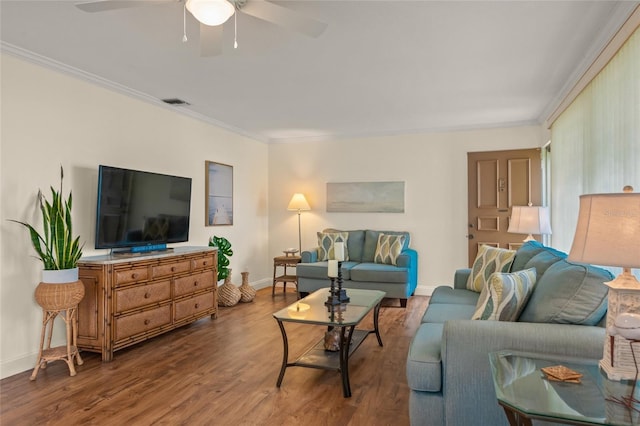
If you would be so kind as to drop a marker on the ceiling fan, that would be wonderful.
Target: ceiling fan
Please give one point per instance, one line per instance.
(213, 13)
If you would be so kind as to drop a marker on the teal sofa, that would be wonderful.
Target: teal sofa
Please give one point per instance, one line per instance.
(448, 370)
(361, 271)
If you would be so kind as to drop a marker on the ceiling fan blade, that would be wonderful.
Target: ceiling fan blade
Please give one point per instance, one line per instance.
(284, 17)
(210, 40)
(104, 5)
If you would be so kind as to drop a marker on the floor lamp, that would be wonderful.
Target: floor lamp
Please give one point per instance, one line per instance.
(298, 203)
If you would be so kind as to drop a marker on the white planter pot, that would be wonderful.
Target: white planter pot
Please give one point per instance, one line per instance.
(60, 276)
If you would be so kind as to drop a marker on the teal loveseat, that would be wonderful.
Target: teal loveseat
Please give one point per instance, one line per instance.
(448, 370)
(361, 270)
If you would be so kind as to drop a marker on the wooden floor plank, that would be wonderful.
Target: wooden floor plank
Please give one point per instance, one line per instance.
(224, 372)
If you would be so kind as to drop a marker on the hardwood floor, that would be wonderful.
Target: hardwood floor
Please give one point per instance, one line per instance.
(224, 372)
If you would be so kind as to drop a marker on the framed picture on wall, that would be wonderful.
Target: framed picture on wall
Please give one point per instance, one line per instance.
(218, 194)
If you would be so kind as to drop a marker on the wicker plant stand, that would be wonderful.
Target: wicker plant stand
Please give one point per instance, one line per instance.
(56, 299)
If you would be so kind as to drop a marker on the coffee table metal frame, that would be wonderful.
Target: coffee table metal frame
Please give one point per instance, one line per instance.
(345, 318)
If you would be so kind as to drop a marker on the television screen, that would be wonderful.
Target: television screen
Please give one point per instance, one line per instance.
(137, 208)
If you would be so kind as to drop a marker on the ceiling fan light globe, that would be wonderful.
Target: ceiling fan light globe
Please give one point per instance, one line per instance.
(211, 12)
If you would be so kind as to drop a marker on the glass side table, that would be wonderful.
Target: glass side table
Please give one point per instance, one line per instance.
(526, 395)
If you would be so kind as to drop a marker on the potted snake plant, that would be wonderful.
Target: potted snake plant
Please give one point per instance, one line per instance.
(58, 250)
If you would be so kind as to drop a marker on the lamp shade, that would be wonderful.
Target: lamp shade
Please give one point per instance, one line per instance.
(298, 203)
(529, 220)
(608, 230)
(211, 12)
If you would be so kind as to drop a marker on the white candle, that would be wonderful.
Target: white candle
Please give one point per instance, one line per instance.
(332, 270)
(339, 251)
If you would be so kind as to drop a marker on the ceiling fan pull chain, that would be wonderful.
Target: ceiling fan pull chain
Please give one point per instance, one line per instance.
(184, 23)
(235, 30)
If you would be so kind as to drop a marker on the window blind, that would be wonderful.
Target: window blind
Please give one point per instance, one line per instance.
(595, 142)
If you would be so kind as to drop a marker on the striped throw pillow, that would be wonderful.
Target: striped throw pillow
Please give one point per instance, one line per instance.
(326, 244)
(388, 249)
(489, 260)
(505, 295)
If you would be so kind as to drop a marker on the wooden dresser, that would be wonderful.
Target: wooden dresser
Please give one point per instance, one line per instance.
(130, 298)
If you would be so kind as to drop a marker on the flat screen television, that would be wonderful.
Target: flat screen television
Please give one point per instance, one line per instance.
(141, 211)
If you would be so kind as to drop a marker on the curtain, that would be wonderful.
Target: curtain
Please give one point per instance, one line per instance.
(595, 142)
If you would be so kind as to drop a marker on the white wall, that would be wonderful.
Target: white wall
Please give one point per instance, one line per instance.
(49, 119)
(433, 167)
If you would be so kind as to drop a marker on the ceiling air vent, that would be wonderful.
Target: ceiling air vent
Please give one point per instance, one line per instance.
(175, 101)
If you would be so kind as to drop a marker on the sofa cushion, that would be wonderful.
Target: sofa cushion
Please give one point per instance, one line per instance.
(379, 272)
(488, 261)
(355, 244)
(505, 295)
(326, 244)
(424, 365)
(441, 312)
(543, 260)
(568, 293)
(319, 270)
(388, 249)
(525, 253)
(446, 294)
(371, 243)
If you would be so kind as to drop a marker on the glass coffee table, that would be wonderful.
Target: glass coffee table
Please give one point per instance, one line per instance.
(526, 395)
(345, 317)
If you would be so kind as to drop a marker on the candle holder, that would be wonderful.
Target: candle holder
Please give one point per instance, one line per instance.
(340, 292)
(333, 298)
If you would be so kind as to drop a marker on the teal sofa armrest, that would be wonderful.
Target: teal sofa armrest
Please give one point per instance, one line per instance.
(408, 258)
(460, 278)
(309, 256)
(466, 345)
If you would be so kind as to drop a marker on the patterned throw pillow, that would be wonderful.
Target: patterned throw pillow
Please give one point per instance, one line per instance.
(388, 249)
(326, 244)
(488, 261)
(505, 295)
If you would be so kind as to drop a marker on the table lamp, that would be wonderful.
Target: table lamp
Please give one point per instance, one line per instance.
(298, 203)
(608, 234)
(529, 220)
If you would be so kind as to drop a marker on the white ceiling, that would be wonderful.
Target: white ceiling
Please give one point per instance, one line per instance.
(380, 68)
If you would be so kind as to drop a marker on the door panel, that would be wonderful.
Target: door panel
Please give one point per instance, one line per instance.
(499, 180)
(519, 183)
(487, 173)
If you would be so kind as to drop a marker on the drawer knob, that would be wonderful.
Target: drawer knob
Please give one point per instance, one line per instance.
(134, 275)
(173, 269)
(195, 283)
(197, 305)
(146, 322)
(204, 263)
(147, 295)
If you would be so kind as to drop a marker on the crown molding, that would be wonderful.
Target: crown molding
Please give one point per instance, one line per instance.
(116, 87)
(624, 21)
(403, 132)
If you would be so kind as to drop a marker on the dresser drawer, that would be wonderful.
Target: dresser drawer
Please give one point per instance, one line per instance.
(130, 325)
(127, 276)
(192, 306)
(193, 283)
(142, 295)
(170, 269)
(204, 262)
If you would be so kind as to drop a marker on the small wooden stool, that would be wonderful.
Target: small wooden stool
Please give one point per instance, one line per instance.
(65, 353)
(284, 261)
